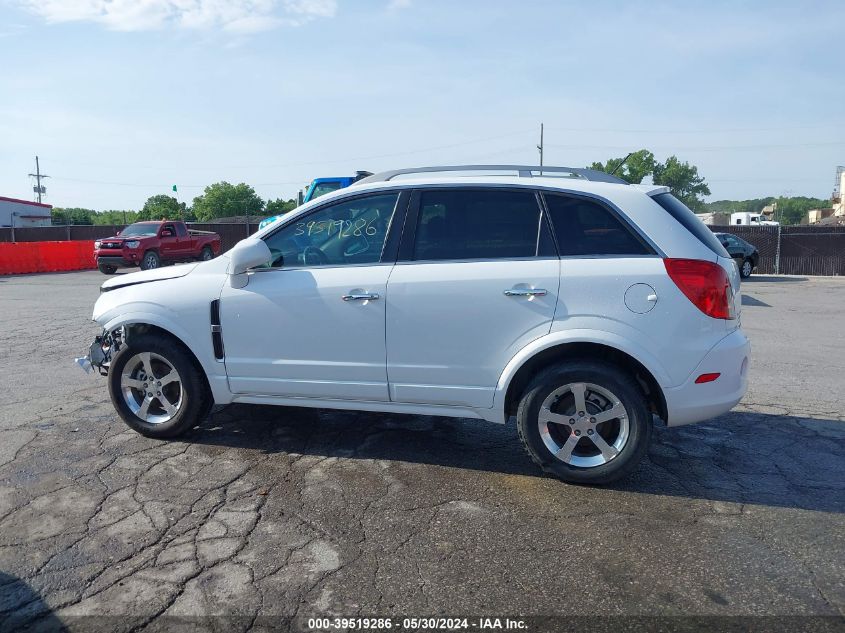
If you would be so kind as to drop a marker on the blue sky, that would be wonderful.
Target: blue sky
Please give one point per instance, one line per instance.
(123, 98)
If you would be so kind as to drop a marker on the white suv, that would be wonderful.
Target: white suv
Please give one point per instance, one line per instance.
(583, 306)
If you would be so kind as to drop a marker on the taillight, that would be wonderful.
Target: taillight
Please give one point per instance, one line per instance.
(704, 283)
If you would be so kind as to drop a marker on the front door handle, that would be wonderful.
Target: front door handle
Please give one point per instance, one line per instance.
(525, 292)
(363, 296)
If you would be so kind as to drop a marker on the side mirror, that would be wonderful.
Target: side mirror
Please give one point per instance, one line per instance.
(248, 253)
(167, 233)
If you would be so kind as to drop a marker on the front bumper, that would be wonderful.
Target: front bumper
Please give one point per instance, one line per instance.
(126, 259)
(691, 402)
(101, 351)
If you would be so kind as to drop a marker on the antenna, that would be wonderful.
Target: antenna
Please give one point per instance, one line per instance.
(624, 160)
(540, 147)
(38, 188)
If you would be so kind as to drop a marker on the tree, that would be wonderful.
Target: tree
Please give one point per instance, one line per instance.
(223, 200)
(683, 180)
(74, 215)
(794, 210)
(278, 207)
(161, 207)
(115, 217)
(639, 165)
(754, 205)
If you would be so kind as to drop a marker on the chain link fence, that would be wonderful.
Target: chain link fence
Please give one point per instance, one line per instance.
(230, 234)
(787, 250)
(794, 250)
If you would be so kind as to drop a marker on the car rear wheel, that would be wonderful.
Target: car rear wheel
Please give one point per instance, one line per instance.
(206, 254)
(150, 261)
(157, 388)
(746, 269)
(106, 269)
(585, 422)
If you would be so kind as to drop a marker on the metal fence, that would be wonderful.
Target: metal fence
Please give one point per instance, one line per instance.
(230, 234)
(795, 250)
(787, 250)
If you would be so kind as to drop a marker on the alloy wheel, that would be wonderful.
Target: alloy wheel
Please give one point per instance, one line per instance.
(151, 388)
(583, 424)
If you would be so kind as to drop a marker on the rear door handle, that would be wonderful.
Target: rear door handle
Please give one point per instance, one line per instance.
(525, 292)
(363, 296)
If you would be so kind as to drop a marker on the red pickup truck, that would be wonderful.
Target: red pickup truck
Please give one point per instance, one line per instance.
(151, 244)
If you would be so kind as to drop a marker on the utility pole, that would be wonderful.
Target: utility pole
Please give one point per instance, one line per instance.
(540, 148)
(38, 176)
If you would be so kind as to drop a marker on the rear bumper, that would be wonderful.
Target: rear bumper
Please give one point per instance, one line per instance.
(691, 402)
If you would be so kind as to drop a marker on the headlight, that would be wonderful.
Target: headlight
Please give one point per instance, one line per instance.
(132, 244)
(97, 244)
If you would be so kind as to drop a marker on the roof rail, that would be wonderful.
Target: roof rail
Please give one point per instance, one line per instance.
(524, 171)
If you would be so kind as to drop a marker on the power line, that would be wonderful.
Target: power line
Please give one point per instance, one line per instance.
(701, 148)
(700, 130)
(333, 161)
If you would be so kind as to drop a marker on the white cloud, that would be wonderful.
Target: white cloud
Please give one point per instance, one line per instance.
(395, 5)
(241, 16)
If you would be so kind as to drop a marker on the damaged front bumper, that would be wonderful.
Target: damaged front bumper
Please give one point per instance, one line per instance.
(101, 352)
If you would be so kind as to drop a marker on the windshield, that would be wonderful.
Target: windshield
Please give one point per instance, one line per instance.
(140, 228)
(322, 188)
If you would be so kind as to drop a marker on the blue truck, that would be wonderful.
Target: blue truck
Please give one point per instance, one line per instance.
(320, 187)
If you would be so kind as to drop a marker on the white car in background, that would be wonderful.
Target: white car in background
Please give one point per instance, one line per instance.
(581, 306)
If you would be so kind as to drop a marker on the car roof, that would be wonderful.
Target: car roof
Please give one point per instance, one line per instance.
(541, 182)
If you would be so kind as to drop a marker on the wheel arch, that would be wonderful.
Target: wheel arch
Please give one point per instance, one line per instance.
(136, 324)
(523, 367)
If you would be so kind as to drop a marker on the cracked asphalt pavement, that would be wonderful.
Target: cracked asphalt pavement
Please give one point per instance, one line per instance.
(265, 511)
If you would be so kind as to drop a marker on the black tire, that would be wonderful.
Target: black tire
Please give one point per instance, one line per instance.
(150, 261)
(106, 269)
(195, 401)
(206, 254)
(746, 268)
(603, 375)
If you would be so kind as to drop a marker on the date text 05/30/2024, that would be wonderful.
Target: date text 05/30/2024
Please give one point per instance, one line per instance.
(416, 624)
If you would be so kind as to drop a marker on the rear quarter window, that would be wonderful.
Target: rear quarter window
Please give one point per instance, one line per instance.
(682, 214)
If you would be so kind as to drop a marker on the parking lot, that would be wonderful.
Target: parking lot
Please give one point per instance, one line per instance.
(266, 511)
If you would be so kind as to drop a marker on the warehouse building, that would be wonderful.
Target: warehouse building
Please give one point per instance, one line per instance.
(23, 213)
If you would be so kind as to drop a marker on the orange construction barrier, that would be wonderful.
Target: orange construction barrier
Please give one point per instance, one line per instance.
(36, 257)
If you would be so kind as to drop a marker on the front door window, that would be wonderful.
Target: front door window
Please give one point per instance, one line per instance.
(348, 232)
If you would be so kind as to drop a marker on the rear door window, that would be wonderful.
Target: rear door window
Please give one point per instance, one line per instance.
(584, 227)
(455, 224)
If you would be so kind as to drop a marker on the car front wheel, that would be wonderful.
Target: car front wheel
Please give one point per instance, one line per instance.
(585, 422)
(746, 269)
(156, 387)
(150, 261)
